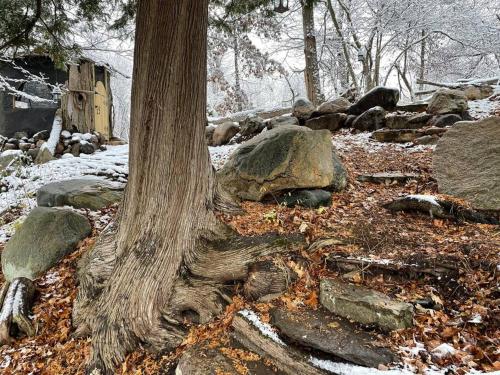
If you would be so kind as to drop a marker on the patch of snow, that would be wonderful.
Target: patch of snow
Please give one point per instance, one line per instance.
(11, 152)
(341, 368)
(54, 134)
(424, 198)
(476, 319)
(264, 328)
(444, 350)
(112, 163)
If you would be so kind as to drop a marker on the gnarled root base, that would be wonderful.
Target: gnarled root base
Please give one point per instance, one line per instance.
(16, 299)
(122, 307)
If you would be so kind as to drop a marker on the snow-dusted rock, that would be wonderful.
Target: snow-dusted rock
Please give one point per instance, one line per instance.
(287, 157)
(88, 193)
(445, 101)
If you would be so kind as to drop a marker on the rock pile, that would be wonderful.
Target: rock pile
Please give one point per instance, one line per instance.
(69, 143)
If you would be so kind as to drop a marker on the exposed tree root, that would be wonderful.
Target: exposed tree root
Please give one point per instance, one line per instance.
(141, 313)
(17, 297)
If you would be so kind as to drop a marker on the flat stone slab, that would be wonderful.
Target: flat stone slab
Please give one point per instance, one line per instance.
(365, 306)
(321, 330)
(90, 193)
(396, 135)
(45, 237)
(387, 177)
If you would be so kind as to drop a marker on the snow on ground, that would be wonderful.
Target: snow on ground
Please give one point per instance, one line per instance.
(484, 107)
(344, 140)
(23, 183)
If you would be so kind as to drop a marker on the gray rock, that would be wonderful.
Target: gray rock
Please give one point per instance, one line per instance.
(412, 107)
(224, 132)
(332, 122)
(349, 121)
(46, 236)
(306, 198)
(9, 146)
(66, 134)
(339, 105)
(44, 156)
(466, 162)
(287, 157)
(75, 149)
(445, 101)
(13, 141)
(434, 131)
(86, 148)
(33, 153)
(395, 135)
(88, 193)
(364, 305)
(379, 96)
(20, 135)
(302, 109)
(372, 119)
(281, 120)
(445, 120)
(251, 125)
(320, 330)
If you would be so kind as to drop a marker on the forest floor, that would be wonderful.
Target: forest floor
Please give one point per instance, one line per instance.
(468, 317)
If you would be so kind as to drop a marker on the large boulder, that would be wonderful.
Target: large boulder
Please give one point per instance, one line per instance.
(339, 105)
(365, 306)
(91, 193)
(224, 132)
(330, 122)
(287, 157)
(466, 162)
(45, 237)
(302, 109)
(407, 120)
(372, 119)
(384, 97)
(445, 101)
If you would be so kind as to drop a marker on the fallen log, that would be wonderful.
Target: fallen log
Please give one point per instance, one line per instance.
(285, 358)
(408, 267)
(439, 208)
(15, 309)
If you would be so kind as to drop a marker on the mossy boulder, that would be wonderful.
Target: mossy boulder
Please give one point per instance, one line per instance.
(46, 236)
(287, 157)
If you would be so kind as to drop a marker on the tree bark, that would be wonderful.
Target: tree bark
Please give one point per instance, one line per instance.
(313, 85)
(156, 264)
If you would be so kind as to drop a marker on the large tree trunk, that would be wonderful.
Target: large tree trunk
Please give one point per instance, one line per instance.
(312, 80)
(166, 256)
